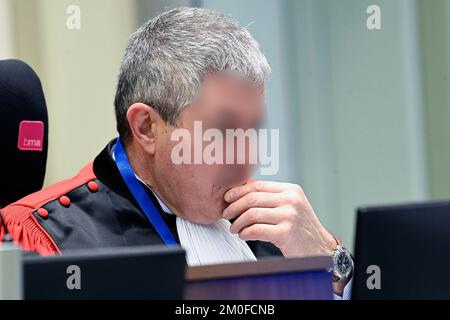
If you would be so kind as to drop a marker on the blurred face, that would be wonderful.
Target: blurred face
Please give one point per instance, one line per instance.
(195, 190)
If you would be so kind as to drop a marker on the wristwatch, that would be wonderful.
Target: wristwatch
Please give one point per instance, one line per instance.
(342, 263)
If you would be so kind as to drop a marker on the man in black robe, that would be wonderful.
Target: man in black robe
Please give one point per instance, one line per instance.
(185, 66)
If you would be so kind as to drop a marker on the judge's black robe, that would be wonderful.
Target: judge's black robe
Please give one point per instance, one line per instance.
(94, 209)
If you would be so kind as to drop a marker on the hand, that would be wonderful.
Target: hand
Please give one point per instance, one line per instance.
(278, 213)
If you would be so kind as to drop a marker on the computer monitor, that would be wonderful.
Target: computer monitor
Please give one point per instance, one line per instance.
(403, 252)
(147, 272)
(278, 278)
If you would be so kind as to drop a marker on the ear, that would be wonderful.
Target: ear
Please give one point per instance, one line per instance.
(143, 121)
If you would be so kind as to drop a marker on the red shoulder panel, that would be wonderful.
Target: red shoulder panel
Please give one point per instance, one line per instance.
(24, 228)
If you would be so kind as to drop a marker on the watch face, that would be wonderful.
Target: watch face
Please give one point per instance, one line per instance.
(343, 264)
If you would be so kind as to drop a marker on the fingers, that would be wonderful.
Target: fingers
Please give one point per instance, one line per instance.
(251, 200)
(261, 232)
(257, 216)
(255, 186)
(269, 211)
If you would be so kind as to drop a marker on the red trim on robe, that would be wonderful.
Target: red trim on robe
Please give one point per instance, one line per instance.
(23, 226)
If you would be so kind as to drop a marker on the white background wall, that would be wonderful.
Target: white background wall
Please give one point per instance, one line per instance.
(78, 70)
(6, 32)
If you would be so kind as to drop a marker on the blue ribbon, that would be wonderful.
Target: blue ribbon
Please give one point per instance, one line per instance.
(140, 195)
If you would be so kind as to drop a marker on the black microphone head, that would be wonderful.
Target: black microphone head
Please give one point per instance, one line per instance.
(23, 131)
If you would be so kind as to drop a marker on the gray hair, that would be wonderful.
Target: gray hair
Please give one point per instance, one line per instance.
(168, 57)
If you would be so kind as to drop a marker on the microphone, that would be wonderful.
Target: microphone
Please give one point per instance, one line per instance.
(11, 268)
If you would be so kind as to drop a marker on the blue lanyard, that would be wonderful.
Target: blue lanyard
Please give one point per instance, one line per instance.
(139, 194)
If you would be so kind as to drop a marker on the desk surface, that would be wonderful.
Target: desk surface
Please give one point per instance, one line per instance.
(265, 279)
(260, 267)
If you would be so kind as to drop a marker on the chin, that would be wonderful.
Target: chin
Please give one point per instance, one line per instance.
(207, 215)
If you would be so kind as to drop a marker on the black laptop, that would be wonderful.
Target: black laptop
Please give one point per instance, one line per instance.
(403, 252)
(147, 272)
